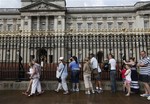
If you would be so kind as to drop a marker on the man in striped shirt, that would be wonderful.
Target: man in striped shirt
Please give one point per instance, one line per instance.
(144, 65)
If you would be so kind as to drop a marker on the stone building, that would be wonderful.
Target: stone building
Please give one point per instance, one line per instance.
(53, 16)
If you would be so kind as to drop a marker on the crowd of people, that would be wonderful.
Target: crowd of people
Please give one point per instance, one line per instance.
(130, 75)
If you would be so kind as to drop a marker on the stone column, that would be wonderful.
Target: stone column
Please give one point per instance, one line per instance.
(149, 22)
(63, 23)
(29, 23)
(38, 23)
(55, 23)
(22, 23)
(14, 24)
(47, 23)
(84, 23)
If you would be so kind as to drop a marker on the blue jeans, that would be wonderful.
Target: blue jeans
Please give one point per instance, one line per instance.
(113, 80)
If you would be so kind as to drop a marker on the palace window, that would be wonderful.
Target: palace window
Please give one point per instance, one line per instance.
(110, 24)
(120, 25)
(59, 22)
(34, 25)
(1, 27)
(146, 24)
(51, 26)
(9, 27)
(69, 26)
(42, 26)
(89, 26)
(42, 23)
(25, 23)
(99, 25)
(130, 25)
(18, 26)
(51, 23)
(79, 26)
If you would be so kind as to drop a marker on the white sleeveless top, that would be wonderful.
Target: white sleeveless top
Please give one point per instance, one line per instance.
(128, 75)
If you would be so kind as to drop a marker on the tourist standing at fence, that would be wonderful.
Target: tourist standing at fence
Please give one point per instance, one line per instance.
(61, 75)
(128, 80)
(123, 71)
(112, 63)
(35, 76)
(149, 80)
(144, 65)
(96, 71)
(75, 71)
(87, 76)
(134, 75)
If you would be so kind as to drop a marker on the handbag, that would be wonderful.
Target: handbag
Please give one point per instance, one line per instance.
(95, 71)
(106, 65)
(59, 79)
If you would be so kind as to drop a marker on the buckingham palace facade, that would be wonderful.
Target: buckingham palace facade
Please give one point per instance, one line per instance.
(52, 16)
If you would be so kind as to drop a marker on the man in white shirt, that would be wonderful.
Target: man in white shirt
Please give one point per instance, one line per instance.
(112, 63)
(95, 66)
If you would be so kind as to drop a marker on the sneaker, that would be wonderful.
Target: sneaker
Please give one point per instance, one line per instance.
(98, 91)
(30, 95)
(38, 94)
(73, 90)
(148, 98)
(93, 91)
(127, 95)
(56, 90)
(101, 90)
(144, 95)
(87, 93)
(77, 90)
(66, 92)
(42, 91)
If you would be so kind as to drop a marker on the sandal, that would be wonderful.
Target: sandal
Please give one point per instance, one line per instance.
(25, 93)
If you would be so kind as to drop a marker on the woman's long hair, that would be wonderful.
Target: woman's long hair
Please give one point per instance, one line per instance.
(75, 58)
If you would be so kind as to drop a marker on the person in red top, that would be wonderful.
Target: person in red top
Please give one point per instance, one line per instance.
(123, 71)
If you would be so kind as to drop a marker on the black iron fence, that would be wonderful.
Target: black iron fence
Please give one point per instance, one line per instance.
(16, 51)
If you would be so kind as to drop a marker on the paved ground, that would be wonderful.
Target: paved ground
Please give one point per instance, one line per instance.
(50, 97)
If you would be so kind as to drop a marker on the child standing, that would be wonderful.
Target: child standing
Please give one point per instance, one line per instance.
(123, 71)
(128, 79)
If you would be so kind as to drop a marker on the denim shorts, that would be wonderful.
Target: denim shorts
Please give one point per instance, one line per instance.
(98, 77)
(144, 78)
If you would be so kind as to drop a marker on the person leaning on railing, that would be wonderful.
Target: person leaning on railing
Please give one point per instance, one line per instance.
(112, 63)
(144, 65)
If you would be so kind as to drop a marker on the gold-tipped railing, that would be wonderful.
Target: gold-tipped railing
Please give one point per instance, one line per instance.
(74, 31)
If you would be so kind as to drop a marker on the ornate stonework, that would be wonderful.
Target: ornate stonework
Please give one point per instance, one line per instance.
(43, 6)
